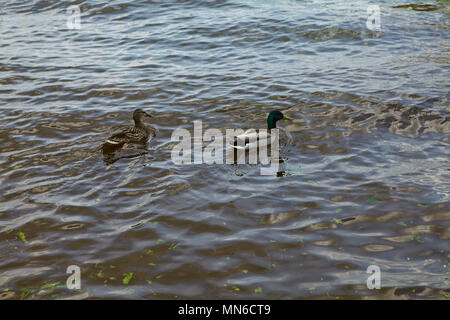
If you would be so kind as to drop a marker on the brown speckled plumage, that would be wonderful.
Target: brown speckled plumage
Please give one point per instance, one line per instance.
(137, 134)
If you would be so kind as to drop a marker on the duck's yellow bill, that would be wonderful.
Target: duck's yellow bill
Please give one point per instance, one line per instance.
(285, 118)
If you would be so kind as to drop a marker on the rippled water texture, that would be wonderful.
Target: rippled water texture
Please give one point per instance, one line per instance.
(365, 181)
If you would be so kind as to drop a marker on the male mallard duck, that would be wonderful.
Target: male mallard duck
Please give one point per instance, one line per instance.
(251, 137)
(137, 134)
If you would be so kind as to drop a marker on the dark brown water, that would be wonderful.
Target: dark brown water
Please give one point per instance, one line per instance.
(366, 179)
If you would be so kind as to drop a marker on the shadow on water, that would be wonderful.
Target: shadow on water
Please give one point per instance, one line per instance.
(112, 153)
(417, 7)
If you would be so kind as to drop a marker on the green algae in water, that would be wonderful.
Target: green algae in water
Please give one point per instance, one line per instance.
(49, 285)
(26, 292)
(22, 237)
(127, 277)
(174, 246)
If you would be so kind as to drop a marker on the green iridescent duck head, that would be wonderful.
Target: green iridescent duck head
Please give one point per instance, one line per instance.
(273, 117)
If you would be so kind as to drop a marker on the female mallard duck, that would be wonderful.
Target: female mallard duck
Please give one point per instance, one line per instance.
(251, 137)
(137, 134)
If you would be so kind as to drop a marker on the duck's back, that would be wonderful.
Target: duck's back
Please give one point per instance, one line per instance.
(131, 134)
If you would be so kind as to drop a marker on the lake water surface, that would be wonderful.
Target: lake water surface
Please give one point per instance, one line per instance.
(365, 182)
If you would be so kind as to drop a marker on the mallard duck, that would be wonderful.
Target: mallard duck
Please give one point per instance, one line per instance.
(250, 138)
(137, 134)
